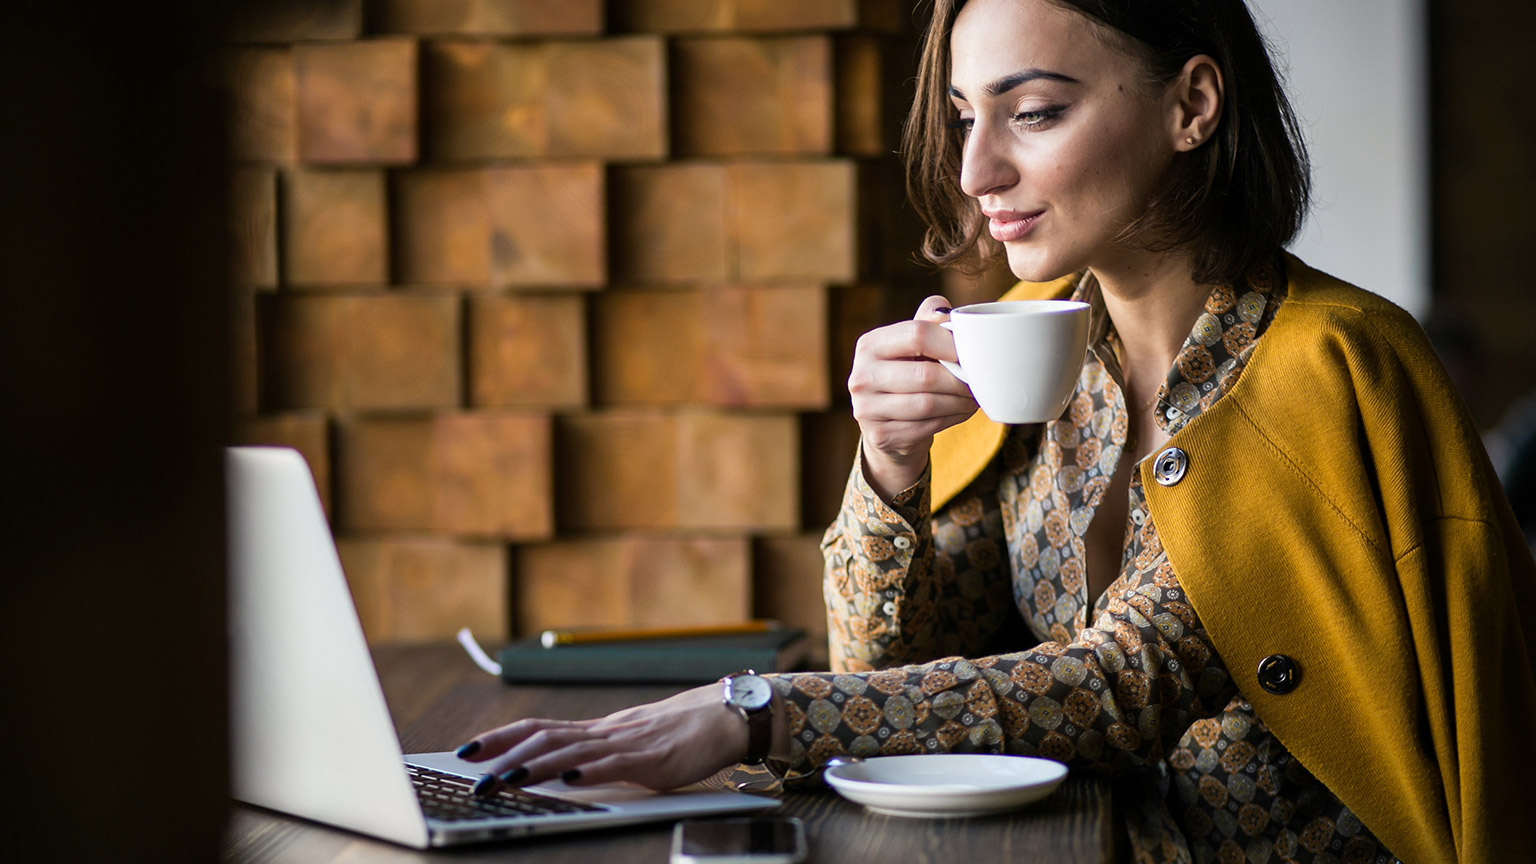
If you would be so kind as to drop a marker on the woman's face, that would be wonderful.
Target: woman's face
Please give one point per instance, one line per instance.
(1066, 141)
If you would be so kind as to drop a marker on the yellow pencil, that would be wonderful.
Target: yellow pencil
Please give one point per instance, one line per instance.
(554, 638)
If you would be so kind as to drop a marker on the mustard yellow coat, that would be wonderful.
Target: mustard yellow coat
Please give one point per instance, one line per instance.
(1374, 546)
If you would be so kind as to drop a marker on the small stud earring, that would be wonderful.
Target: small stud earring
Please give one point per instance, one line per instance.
(1191, 140)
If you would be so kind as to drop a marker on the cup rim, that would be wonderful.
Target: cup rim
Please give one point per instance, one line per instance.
(1015, 307)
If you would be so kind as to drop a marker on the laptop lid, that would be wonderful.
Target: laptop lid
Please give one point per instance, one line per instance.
(310, 730)
(311, 733)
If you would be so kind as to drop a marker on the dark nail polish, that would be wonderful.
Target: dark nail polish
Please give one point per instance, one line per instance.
(572, 775)
(515, 776)
(487, 784)
(944, 310)
(467, 750)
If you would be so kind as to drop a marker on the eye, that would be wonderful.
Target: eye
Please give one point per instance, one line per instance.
(963, 125)
(1039, 118)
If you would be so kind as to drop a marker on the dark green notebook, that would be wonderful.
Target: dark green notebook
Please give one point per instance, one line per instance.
(691, 660)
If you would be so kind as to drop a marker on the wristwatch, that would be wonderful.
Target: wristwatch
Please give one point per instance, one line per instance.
(751, 695)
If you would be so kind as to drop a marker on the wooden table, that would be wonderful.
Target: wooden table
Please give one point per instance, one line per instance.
(438, 700)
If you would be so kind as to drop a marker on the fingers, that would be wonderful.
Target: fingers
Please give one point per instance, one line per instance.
(901, 397)
(542, 751)
(617, 767)
(913, 415)
(906, 378)
(909, 344)
(661, 745)
(892, 435)
(889, 389)
(488, 745)
(933, 308)
(898, 360)
(918, 339)
(554, 753)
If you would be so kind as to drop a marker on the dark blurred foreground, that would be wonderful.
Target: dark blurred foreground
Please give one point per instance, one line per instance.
(113, 329)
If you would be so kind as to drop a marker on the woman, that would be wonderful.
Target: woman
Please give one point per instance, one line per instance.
(1275, 588)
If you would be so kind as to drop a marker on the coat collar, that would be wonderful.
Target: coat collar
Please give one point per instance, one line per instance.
(960, 453)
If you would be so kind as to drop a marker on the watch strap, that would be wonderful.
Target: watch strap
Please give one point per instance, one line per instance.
(759, 734)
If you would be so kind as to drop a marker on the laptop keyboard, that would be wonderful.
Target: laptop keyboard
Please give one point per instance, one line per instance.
(449, 797)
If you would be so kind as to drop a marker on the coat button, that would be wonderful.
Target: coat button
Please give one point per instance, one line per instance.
(1279, 674)
(1170, 465)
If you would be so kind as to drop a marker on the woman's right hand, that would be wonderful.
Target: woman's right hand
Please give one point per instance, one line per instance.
(902, 395)
(662, 745)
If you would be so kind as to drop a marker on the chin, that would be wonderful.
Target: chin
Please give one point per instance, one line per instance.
(1031, 266)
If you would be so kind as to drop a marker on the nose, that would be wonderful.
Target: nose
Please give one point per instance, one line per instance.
(984, 164)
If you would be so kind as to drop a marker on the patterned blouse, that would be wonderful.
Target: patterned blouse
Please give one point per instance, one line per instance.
(1140, 694)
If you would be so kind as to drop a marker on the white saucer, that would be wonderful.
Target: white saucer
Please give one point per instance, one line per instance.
(946, 784)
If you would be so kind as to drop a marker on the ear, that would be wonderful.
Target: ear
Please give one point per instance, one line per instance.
(1194, 102)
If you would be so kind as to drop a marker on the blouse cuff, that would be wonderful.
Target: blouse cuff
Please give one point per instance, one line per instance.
(910, 503)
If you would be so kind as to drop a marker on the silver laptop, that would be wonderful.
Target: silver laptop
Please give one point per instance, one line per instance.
(311, 733)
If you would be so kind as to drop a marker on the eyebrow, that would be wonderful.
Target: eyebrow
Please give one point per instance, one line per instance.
(1008, 82)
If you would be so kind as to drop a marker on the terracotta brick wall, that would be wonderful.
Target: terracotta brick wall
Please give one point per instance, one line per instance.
(558, 298)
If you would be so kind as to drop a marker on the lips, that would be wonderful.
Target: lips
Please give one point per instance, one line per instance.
(1007, 226)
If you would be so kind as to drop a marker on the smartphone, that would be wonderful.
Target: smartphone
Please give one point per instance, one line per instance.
(739, 840)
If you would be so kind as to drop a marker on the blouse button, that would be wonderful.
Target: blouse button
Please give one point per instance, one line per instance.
(902, 541)
(889, 608)
(1279, 674)
(1170, 465)
(1138, 517)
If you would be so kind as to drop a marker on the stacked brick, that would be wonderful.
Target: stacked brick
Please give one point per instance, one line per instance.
(558, 298)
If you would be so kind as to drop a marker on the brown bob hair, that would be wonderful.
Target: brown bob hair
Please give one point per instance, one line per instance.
(1234, 202)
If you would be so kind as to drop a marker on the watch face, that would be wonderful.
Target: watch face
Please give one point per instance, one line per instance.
(750, 692)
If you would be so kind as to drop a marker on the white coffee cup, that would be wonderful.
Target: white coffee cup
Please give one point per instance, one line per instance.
(1021, 358)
